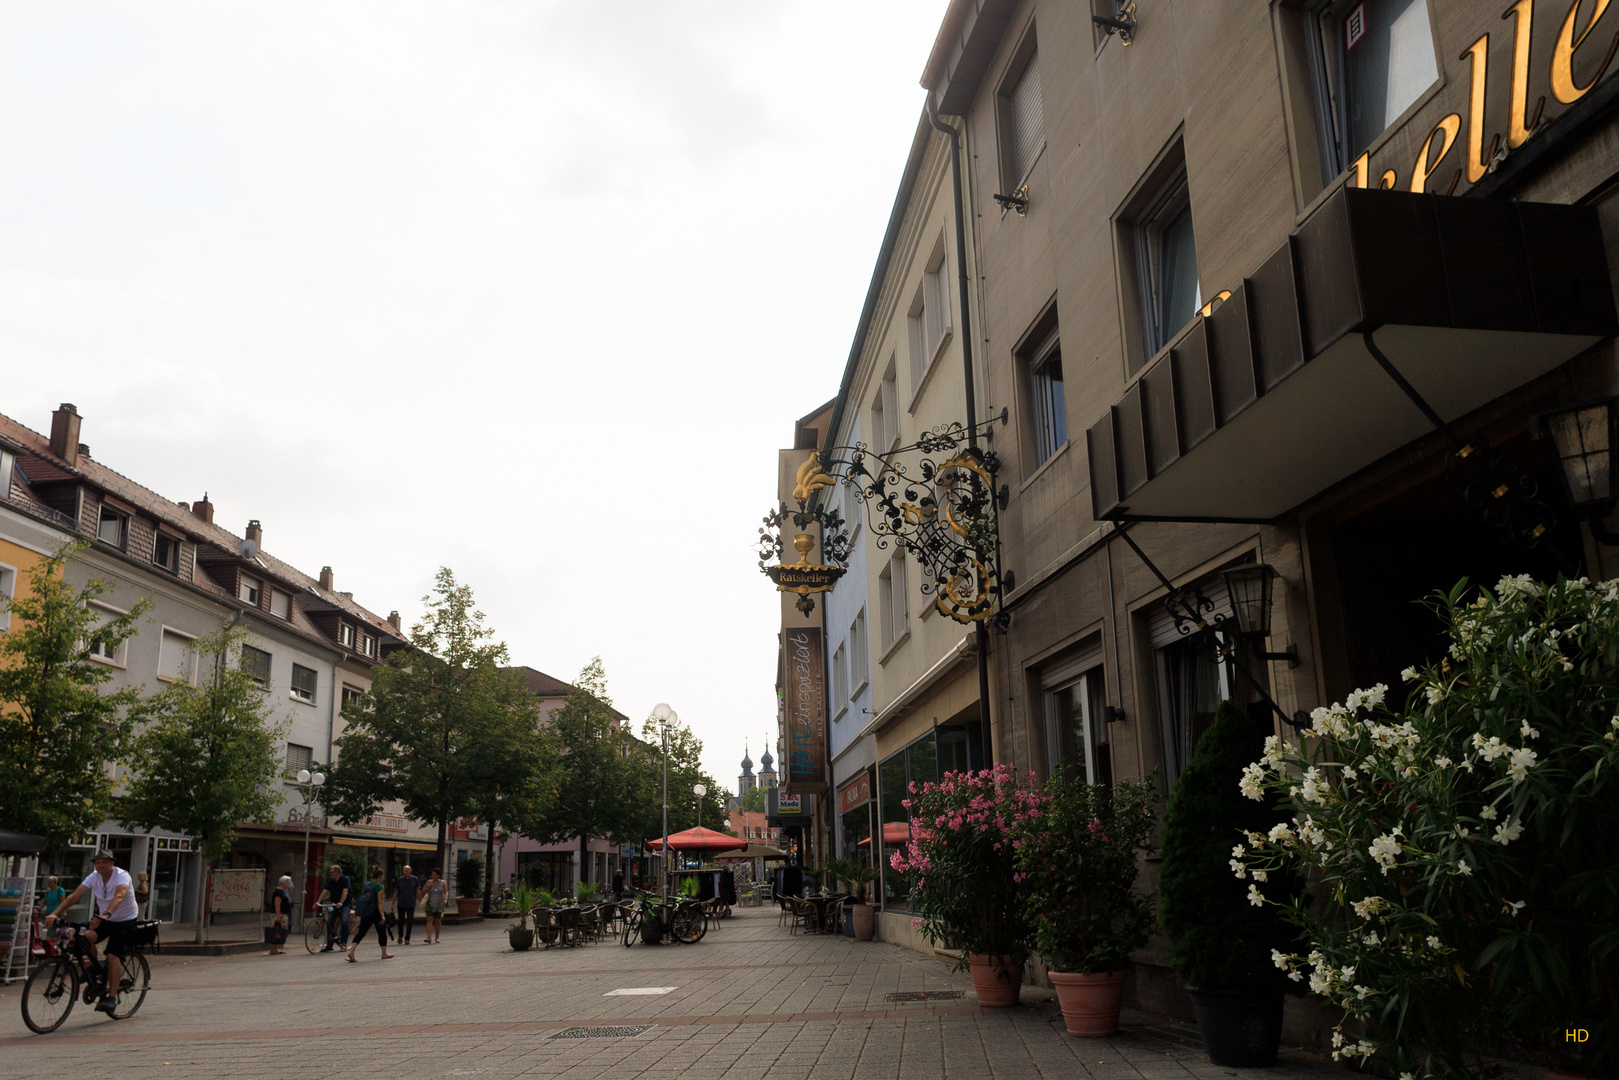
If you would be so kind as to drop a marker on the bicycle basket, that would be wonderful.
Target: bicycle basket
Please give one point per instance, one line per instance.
(144, 936)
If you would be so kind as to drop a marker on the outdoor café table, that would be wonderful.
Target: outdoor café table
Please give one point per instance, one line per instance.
(821, 900)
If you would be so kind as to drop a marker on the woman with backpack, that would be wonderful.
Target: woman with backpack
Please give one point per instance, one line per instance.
(368, 909)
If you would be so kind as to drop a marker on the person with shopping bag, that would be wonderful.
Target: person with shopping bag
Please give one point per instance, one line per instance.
(275, 935)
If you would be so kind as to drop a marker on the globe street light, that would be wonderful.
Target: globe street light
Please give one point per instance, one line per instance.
(665, 716)
(700, 790)
(308, 783)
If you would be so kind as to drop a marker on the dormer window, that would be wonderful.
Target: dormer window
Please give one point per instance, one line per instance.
(368, 644)
(248, 589)
(345, 635)
(113, 528)
(166, 553)
(280, 604)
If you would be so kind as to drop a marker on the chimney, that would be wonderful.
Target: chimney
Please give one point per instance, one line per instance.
(204, 509)
(65, 423)
(84, 449)
(255, 533)
(393, 619)
(326, 578)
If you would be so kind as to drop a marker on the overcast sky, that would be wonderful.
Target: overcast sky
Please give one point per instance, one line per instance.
(531, 290)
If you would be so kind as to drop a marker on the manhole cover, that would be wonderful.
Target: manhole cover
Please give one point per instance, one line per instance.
(629, 1032)
(925, 995)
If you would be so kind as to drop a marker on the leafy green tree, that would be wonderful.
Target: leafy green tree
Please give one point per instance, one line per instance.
(59, 732)
(753, 800)
(597, 779)
(208, 757)
(517, 762)
(685, 773)
(443, 729)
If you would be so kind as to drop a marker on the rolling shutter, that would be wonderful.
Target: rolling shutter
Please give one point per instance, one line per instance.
(1028, 126)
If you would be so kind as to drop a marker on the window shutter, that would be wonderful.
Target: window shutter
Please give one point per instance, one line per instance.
(1028, 126)
(174, 661)
(1072, 666)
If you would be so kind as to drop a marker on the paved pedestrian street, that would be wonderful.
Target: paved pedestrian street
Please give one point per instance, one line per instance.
(748, 1001)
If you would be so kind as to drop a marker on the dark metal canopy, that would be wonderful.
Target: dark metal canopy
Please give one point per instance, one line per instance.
(16, 843)
(1275, 396)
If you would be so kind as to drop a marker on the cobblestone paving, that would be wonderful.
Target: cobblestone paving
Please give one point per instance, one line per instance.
(749, 1001)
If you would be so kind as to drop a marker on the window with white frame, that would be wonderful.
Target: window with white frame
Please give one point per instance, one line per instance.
(351, 696)
(893, 596)
(101, 650)
(1076, 738)
(113, 528)
(840, 677)
(1048, 410)
(176, 658)
(7, 460)
(280, 604)
(8, 592)
(928, 319)
(304, 682)
(885, 412)
(345, 635)
(298, 758)
(368, 644)
(859, 654)
(166, 552)
(248, 589)
(1370, 60)
(256, 662)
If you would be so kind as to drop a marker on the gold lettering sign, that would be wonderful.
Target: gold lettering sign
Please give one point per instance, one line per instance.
(1428, 163)
(1478, 162)
(1563, 86)
(1522, 14)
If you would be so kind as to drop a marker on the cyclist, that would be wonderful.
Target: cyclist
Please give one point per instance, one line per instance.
(340, 892)
(113, 918)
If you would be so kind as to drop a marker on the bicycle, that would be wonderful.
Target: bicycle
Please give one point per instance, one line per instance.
(682, 920)
(54, 986)
(316, 930)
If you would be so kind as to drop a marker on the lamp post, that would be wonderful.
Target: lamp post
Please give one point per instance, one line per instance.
(308, 783)
(665, 716)
(700, 790)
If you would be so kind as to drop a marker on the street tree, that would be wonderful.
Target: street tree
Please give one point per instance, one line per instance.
(59, 732)
(596, 791)
(685, 773)
(207, 756)
(442, 725)
(516, 763)
(753, 800)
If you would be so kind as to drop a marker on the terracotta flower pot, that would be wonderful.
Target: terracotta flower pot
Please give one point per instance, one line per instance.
(467, 906)
(1090, 1003)
(996, 980)
(865, 922)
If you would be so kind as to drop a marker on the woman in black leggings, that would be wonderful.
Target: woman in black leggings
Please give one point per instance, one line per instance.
(368, 906)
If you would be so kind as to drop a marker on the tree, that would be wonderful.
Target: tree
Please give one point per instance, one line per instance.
(753, 800)
(208, 758)
(596, 780)
(443, 729)
(516, 761)
(58, 731)
(685, 772)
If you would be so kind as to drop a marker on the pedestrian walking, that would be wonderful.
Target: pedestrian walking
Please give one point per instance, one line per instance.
(368, 907)
(280, 916)
(406, 888)
(618, 884)
(143, 893)
(54, 894)
(437, 895)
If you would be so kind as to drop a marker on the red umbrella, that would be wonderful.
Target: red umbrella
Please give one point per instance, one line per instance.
(700, 839)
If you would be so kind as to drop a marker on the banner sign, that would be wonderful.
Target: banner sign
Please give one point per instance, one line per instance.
(804, 664)
(855, 793)
(790, 804)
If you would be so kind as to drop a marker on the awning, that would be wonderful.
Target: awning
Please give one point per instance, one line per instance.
(401, 845)
(894, 832)
(16, 843)
(755, 851)
(1275, 396)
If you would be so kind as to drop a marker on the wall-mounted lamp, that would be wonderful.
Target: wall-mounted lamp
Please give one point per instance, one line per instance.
(1123, 24)
(1250, 586)
(1018, 200)
(1585, 436)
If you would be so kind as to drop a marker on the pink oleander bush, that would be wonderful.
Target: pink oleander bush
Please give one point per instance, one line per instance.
(961, 860)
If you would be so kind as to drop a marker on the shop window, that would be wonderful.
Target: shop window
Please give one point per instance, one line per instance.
(166, 553)
(1019, 115)
(304, 683)
(1370, 61)
(113, 527)
(256, 663)
(177, 661)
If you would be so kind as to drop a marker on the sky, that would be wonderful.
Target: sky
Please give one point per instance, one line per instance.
(530, 290)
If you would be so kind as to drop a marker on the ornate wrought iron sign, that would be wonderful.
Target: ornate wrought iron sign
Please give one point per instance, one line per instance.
(936, 499)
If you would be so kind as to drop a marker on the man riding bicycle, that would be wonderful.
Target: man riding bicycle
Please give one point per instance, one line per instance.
(339, 890)
(113, 918)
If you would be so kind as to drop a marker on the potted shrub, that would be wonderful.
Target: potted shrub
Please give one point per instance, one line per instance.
(1220, 944)
(862, 917)
(1078, 862)
(1463, 841)
(544, 901)
(521, 936)
(469, 887)
(959, 862)
(588, 892)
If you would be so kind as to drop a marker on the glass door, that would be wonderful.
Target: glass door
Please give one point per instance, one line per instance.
(165, 885)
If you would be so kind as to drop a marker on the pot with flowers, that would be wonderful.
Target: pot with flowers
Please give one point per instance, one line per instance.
(960, 865)
(1220, 943)
(1077, 864)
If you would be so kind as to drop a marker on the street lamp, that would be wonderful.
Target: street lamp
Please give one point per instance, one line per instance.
(1249, 586)
(666, 717)
(308, 783)
(1584, 436)
(700, 790)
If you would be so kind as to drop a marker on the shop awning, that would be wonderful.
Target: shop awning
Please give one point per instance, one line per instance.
(755, 851)
(894, 832)
(400, 845)
(1275, 396)
(16, 843)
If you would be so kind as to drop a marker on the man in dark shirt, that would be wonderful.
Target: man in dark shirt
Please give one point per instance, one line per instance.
(405, 891)
(341, 894)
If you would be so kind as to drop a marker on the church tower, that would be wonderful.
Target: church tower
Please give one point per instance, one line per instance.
(746, 781)
(767, 770)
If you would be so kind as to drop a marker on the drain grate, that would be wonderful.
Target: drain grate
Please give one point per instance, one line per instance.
(925, 995)
(629, 1032)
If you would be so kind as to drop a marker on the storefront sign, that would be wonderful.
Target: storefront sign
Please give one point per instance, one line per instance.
(789, 804)
(391, 822)
(804, 579)
(855, 793)
(1528, 85)
(805, 667)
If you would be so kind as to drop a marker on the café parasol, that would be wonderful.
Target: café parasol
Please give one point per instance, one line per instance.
(700, 839)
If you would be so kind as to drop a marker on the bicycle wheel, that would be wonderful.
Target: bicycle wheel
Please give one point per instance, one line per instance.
(314, 934)
(49, 994)
(687, 925)
(132, 986)
(632, 927)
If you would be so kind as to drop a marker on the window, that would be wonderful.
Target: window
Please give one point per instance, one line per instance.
(298, 758)
(280, 604)
(166, 553)
(351, 696)
(303, 683)
(1191, 683)
(176, 658)
(929, 317)
(859, 654)
(368, 645)
(1158, 256)
(840, 678)
(1075, 737)
(101, 650)
(114, 527)
(1048, 412)
(8, 592)
(1025, 126)
(1370, 61)
(885, 413)
(892, 594)
(7, 460)
(247, 590)
(345, 635)
(256, 662)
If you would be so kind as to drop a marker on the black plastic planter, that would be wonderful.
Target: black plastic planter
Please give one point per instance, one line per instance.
(1240, 1031)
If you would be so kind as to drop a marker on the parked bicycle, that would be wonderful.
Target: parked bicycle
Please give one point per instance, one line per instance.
(76, 971)
(652, 918)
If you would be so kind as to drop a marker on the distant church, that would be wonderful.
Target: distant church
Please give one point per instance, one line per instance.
(747, 781)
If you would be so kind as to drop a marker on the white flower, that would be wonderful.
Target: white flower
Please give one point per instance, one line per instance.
(1513, 906)
(1435, 694)
(1312, 787)
(1279, 958)
(1407, 1076)
(1442, 761)
(1347, 973)
(1434, 942)
(1462, 832)
(1337, 1038)
(1372, 938)
(1488, 813)
(1463, 869)
(1521, 762)
(1384, 849)
(1238, 852)
(1491, 748)
(1361, 992)
(1350, 773)
(1526, 731)
(1368, 907)
(1296, 976)
(1238, 869)
(1409, 675)
(1273, 751)
(1281, 833)
(1254, 896)
(1506, 834)
(1261, 875)
(1252, 782)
